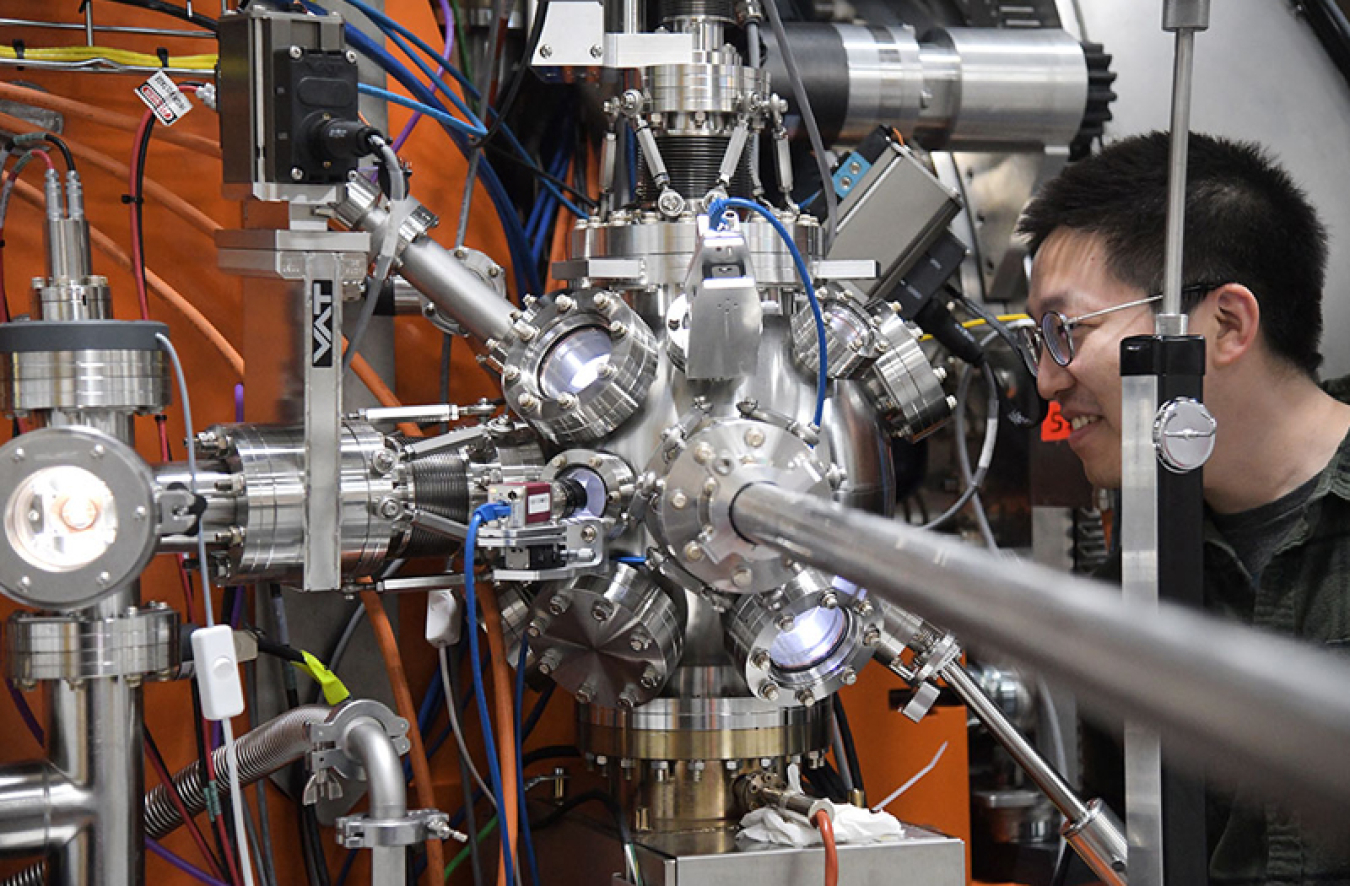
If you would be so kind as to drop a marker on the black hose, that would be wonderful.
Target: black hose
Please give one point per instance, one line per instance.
(846, 736)
(53, 139)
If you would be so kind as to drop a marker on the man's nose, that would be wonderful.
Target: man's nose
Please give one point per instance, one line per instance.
(1052, 380)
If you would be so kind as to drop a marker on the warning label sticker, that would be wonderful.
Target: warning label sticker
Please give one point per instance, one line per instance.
(163, 96)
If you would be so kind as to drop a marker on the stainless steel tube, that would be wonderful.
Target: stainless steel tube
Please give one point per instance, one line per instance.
(368, 742)
(1278, 708)
(40, 808)
(456, 290)
(1106, 852)
(1171, 321)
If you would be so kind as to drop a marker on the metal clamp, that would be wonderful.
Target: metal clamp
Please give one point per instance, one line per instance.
(327, 740)
(138, 644)
(418, 826)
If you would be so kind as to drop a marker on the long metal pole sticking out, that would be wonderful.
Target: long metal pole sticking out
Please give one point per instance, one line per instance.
(1278, 709)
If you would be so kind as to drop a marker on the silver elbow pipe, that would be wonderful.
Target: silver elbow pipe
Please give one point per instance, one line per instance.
(370, 744)
(266, 749)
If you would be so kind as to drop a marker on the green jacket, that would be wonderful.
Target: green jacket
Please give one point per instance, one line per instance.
(1304, 591)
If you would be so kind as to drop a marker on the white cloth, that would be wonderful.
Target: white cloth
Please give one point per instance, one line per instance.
(851, 825)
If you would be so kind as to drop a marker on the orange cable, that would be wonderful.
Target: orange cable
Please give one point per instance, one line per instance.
(118, 170)
(826, 828)
(506, 732)
(403, 701)
(83, 111)
(198, 320)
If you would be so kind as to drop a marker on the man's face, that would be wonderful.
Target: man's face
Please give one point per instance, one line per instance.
(1070, 276)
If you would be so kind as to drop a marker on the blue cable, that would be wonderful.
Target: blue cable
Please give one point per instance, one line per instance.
(481, 515)
(632, 561)
(526, 837)
(527, 278)
(393, 30)
(717, 215)
(439, 116)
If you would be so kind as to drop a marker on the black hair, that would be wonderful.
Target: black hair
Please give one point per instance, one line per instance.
(1246, 222)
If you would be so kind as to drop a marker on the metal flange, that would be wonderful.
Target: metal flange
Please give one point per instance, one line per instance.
(139, 644)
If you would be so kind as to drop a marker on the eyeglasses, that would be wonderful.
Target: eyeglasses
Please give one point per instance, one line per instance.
(1055, 333)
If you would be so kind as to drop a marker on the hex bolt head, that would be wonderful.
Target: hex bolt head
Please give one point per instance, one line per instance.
(389, 508)
(588, 533)
(829, 600)
(871, 637)
(602, 301)
(760, 658)
(511, 375)
(628, 698)
(786, 623)
(769, 691)
(754, 437)
(678, 500)
(650, 678)
(743, 577)
(564, 303)
(529, 402)
(703, 453)
(849, 676)
(617, 330)
(606, 370)
(639, 641)
(693, 552)
(585, 694)
(536, 627)
(863, 608)
(806, 697)
(558, 603)
(601, 612)
(710, 486)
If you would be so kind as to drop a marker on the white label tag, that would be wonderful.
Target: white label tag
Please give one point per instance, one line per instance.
(540, 503)
(163, 96)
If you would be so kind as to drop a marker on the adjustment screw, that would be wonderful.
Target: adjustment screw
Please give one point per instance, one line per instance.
(769, 691)
(754, 437)
(295, 52)
(437, 828)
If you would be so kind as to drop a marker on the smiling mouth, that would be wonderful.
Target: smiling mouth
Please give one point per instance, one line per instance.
(1082, 421)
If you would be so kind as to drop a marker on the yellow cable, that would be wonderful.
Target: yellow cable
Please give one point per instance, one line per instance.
(202, 62)
(971, 324)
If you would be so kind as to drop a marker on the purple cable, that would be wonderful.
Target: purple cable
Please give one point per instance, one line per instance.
(449, 18)
(25, 712)
(182, 865)
(239, 402)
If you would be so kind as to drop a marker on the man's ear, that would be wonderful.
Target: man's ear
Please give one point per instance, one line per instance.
(1230, 318)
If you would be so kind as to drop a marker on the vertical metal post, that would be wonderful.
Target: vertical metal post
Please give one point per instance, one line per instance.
(1163, 500)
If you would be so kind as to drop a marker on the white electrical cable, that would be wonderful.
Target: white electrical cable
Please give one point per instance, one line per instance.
(456, 729)
(895, 794)
(227, 730)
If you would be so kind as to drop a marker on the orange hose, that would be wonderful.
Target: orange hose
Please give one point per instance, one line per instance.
(826, 828)
(92, 114)
(198, 320)
(118, 170)
(506, 732)
(403, 701)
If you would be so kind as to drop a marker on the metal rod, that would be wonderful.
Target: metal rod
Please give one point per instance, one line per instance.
(104, 29)
(1171, 320)
(1278, 708)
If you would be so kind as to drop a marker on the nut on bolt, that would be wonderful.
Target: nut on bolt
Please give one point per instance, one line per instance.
(588, 533)
(769, 691)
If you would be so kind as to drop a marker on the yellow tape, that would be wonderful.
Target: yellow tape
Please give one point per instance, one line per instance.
(333, 690)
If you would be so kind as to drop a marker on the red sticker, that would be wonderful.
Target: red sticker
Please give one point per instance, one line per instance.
(1055, 428)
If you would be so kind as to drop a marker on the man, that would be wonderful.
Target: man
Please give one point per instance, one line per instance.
(1277, 488)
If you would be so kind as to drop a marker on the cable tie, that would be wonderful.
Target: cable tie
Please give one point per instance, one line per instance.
(163, 56)
(212, 800)
(129, 199)
(19, 47)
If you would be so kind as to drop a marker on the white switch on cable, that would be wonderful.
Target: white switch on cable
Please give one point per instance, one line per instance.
(217, 672)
